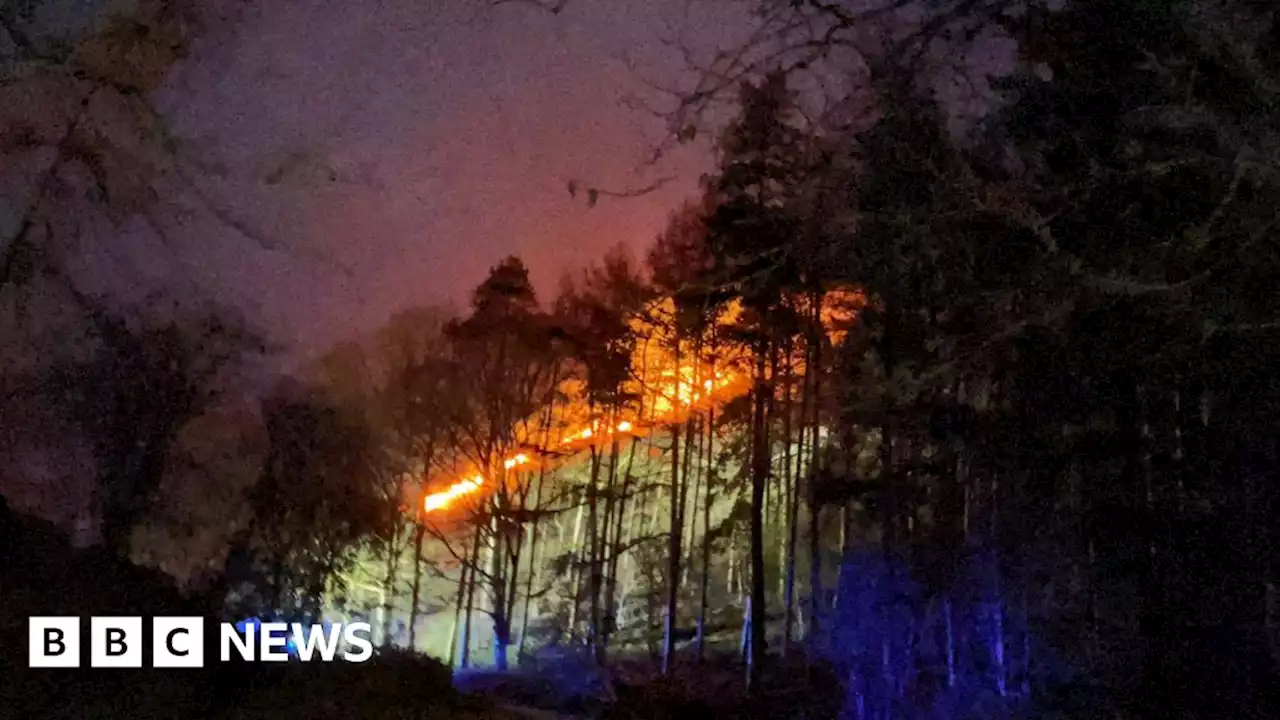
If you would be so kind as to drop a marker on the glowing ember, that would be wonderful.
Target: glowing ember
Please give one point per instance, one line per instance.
(520, 459)
(441, 500)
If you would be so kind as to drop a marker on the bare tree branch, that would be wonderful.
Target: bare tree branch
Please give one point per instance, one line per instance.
(552, 6)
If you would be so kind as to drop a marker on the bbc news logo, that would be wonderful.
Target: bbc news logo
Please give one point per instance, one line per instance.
(178, 642)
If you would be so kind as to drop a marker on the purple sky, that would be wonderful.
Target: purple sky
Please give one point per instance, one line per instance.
(454, 128)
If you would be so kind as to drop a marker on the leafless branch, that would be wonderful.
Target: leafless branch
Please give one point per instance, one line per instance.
(552, 6)
(593, 194)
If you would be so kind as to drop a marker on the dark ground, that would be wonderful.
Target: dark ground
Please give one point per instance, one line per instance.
(40, 574)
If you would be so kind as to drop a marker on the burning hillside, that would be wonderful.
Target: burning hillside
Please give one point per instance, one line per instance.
(669, 380)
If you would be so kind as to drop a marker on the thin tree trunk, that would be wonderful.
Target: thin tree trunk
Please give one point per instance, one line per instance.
(790, 515)
(692, 471)
(620, 527)
(815, 577)
(594, 584)
(604, 559)
(389, 585)
(577, 549)
(498, 586)
(759, 479)
(533, 532)
(816, 604)
(706, 536)
(512, 584)
(799, 484)
(730, 584)
(652, 625)
(457, 613)
(416, 596)
(775, 493)
(677, 529)
(533, 564)
(471, 594)
(673, 555)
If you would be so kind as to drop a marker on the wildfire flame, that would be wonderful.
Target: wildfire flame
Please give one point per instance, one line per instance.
(676, 392)
(441, 500)
(683, 396)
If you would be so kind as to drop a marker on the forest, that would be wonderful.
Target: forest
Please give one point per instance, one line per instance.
(906, 415)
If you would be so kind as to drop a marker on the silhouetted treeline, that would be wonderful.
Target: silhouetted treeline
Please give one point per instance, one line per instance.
(962, 417)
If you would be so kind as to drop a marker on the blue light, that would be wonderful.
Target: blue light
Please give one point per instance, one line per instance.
(290, 646)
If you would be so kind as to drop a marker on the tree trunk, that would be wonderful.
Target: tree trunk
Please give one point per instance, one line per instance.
(577, 549)
(389, 585)
(512, 585)
(612, 597)
(759, 478)
(604, 559)
(673, 555)
(789, 513)
(815, 577)
(706, 535)
(415, 599)
(692, 471)
(814, 373)
(731, 577)
(533, 564)
(471, 595)
(533, 532)
(457, 617)
(594, 579)
(499, 580)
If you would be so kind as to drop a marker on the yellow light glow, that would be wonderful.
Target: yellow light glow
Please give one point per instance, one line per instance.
(624, 426)
(511, 462)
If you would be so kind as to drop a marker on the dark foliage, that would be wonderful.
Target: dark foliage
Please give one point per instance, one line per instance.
(41, 575)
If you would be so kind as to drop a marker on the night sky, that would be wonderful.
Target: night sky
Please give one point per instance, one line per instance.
(452, 129)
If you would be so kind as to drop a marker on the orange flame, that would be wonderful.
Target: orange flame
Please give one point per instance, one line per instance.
(442, 499)
(677, 390)
(684, 397)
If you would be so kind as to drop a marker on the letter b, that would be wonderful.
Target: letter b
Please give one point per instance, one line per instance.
(115, 642)
(53, 642)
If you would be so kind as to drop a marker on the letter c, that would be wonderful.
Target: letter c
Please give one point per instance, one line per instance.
(168, 642)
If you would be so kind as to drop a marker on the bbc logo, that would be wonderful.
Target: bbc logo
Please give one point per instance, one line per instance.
(178, 642)
(115, 642)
